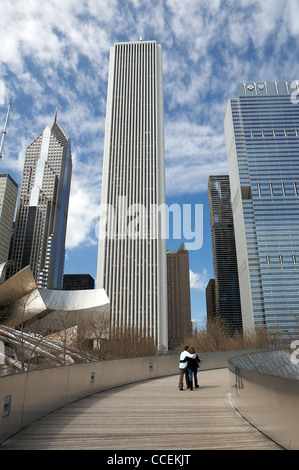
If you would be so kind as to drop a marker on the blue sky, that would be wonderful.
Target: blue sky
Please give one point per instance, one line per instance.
(56, 53)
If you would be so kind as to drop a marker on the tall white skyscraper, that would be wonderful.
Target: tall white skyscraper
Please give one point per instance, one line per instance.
(132, 256)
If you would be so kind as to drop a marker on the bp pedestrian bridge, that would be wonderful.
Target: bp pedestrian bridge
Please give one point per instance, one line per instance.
(245, 401)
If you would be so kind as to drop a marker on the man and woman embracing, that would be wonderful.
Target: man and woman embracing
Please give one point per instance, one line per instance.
(189, 364)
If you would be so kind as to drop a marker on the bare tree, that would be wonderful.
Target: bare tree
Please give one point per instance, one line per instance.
(217, 336)
(130, 342)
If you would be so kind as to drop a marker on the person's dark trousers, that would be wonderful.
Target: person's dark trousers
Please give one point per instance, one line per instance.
(195, 378)
(191, 373)
(187, 378)
(184, 373)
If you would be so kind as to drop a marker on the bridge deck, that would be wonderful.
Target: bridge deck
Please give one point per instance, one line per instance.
(148, 415)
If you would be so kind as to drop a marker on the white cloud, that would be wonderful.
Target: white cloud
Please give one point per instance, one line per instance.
(84, 212)
(293, 9)
(199, 281)
(57, 56)
(193, 153)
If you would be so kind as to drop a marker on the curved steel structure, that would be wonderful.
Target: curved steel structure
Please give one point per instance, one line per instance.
(265, 390)
(23, 303)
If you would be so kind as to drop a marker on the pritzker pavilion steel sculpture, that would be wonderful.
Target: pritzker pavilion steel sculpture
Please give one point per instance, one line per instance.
(23, 303)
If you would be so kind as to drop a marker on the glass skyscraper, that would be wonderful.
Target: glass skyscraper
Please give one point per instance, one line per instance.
(262, 137)
(8, 199)
(41, 219)
(227, 295)
(132, 253)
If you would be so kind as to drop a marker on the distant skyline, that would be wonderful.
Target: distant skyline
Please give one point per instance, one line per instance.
(56, 56)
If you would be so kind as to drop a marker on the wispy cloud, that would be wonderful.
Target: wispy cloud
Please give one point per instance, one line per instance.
(199, 281)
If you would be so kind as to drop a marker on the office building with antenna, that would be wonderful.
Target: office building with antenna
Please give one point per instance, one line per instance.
(8, 200)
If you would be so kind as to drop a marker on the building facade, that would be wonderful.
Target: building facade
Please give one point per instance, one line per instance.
(211, 301)
(41, 219)
(132, 252)
(262, 136)
(227, 294)
(78, 282)
(179, 302)
(8, 200)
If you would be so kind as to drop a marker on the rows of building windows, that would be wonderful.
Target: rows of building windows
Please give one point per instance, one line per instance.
(270, 133)
(282, 259)
(266, 137)
(281, 189)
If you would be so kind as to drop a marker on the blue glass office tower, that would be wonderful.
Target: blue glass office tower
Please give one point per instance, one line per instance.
(262, 137)
(41, 220)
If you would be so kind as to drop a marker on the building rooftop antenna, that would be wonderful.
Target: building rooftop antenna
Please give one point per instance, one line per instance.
(4, 130)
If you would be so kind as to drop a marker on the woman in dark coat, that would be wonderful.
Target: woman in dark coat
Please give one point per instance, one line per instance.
(193, 365)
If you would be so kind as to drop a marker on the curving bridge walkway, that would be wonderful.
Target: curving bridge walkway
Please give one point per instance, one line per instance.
(151, 414)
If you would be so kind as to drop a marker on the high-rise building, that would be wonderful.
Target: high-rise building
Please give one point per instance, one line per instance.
(132, 251)
(41, 220)
(195, 327)
(262, 136)
(8, 200)
(227, 295)
(211, 301)
(179, 302)
(78, 282)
